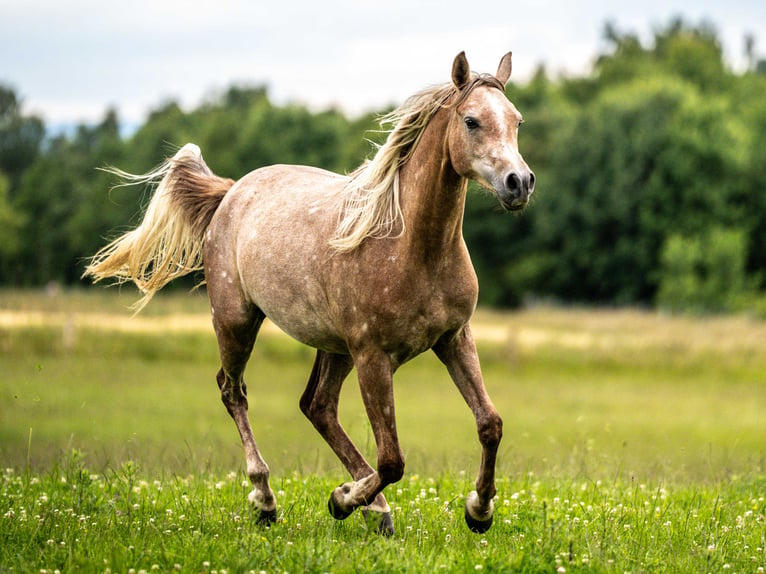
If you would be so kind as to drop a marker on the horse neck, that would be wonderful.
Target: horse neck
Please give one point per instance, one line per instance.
(432, 193)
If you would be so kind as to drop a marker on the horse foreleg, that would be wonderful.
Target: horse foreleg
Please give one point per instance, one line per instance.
(375, 375)
(320, 405)
(458, 352)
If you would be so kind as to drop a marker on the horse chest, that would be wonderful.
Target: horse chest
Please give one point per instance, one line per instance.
(405, 309)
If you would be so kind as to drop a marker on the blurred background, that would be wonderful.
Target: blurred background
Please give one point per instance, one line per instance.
(645, 125)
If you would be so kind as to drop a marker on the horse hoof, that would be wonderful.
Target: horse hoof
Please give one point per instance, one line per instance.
(337, 511)
(381, 521)
(477, 526)
(386, 525)
(267, 517)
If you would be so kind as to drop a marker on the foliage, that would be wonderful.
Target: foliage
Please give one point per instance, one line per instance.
(659, 139)
(644, 159)
(20, 135)
(705, 273)
(10, 221)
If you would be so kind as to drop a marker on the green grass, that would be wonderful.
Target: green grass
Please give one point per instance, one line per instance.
(70, 519)
(632, 442)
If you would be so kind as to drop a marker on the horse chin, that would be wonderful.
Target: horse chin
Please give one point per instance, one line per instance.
(514, 206)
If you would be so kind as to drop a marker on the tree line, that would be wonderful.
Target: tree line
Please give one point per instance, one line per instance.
(650, 178)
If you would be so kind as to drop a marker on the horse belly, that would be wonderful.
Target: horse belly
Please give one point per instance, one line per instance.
(294, 303)
(310, 332)
(282, 242)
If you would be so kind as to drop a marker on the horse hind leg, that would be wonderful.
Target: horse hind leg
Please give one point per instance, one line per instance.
(235, 342)
(320, 405)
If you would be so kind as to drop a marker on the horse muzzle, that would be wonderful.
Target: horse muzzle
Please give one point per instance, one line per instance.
(517, 189)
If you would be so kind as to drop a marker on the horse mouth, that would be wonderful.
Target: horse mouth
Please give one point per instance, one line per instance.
(513, 206)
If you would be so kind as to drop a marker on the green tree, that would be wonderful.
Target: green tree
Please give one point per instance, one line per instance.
(692, 53)
(10, 221)
(166, 129)
(67, 206)
(20, 136)
(747, 99)
(645, 159)
(705, 273)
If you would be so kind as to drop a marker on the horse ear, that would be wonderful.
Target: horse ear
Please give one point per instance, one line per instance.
(461, 71)
(504, 69)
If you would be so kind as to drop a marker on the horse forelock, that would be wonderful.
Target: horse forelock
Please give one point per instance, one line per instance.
(476, 81)
(370, 200)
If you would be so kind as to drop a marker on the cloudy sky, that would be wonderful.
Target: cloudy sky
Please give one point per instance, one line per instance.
(70, 60)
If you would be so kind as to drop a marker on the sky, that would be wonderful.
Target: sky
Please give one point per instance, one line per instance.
(71, 60)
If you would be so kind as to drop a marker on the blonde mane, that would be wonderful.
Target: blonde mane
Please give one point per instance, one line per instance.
(371, 206)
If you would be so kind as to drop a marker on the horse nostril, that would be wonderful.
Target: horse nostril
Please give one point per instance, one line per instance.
(513, 183)
(531, 182)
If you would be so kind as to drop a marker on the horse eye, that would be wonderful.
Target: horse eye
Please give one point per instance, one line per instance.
(471, 123)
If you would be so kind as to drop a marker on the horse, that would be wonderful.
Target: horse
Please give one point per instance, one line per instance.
(369, 268)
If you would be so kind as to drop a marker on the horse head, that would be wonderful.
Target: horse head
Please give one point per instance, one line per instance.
(483, 134)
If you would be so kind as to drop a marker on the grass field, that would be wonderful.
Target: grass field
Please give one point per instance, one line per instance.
(632, 442)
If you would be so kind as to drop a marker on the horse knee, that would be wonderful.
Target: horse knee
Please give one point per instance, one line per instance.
(491, 430)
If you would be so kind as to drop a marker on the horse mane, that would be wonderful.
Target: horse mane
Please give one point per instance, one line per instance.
(371, 206)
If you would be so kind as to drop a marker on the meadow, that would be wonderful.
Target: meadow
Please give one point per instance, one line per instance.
(633, 442)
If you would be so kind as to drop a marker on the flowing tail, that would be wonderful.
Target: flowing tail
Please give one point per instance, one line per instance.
(169, 241)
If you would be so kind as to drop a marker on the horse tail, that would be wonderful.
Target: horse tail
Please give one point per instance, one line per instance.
(169, 241)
